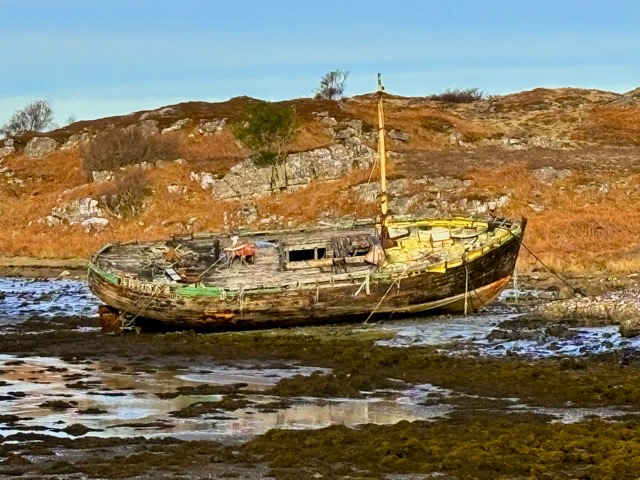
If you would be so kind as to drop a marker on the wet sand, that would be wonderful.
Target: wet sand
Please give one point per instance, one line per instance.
(445, 396)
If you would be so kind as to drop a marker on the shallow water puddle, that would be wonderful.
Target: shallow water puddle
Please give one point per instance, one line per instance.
(468, 336)
(21, 299)
(49, 395)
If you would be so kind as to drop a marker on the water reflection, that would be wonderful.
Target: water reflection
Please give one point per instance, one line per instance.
(124, 403)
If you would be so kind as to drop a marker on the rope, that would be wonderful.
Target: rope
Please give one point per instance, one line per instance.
(547, 267)
(153, 294)
(365, 285)
(397, 280)
(466, 289)
(213, 265)
(355, 207)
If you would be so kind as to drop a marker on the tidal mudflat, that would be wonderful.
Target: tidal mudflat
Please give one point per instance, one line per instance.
(483, 396)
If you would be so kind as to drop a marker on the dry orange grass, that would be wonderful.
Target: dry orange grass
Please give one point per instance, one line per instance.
(429, 126)
(611, 126)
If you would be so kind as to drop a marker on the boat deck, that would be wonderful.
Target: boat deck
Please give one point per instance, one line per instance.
(317, 257)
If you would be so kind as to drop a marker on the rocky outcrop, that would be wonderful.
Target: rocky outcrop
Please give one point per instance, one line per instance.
(176, 126)
(622, 308)
(76, 140)
(40, 147)
(208, 127)
(299, 169)
(85, 212)
(7, 148)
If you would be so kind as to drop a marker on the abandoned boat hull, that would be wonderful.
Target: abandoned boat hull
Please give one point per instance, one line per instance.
(467, 286)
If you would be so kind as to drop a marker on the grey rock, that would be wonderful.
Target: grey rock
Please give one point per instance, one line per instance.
(399, 135)
(177, 189)
(206, 180)
(545, 142)
(149, 127)
(102, 176)
(40, 147)
(4, 151)
(630, 327)
(454, 138)
(248, 213)
(76, 140)
(212, 126)
(94, 224)
(77, 212)
(346, 133)
(329, 121)
(536, 207)
(9, 142)
(355, 124)
(321, 114)
(176, 126)
(550, 175)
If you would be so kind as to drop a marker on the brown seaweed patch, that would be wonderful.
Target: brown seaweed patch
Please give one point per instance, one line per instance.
(468, 446)
(203, 389)
(77, 430)
(229, 403)
(325, 385)
(58, 405)
(92, 411)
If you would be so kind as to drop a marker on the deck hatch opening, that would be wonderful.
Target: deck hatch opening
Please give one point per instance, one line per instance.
(300, 255)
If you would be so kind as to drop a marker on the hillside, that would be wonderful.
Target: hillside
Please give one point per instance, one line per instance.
(565, 158)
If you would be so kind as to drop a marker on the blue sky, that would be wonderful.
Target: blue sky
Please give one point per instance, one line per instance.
(92, 58)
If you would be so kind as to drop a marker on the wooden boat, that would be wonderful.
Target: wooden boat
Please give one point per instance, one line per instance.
(332, 273)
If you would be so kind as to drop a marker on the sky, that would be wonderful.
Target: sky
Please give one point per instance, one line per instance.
(91, 59)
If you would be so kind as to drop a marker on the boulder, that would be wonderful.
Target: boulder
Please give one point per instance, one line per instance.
(630, 327)
(76, 212)
(8, 148)
(177, 189)
(176, 126)
(76, 140)
(102, 176)
(399, 135)
(212, 126)
(4, 151)
(550, 175)
(95, 224)
(248, 213)
(329, 121)
(41, 146)
(149, 127)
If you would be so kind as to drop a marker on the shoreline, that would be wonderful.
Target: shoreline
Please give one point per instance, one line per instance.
(29, 267)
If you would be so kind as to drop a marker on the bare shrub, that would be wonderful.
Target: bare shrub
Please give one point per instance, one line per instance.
(332, 85)
(456, 95)
(35, 117)
(113, 149)
(126, 195)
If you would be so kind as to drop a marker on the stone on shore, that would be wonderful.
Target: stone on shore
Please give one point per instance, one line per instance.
(615, 308)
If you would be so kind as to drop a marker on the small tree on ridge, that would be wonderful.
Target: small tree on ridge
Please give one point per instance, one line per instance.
(332, 85)
(35, 117)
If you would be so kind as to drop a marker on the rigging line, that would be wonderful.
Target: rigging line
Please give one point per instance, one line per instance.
(373, 169)
(547, 267)
(397, 280)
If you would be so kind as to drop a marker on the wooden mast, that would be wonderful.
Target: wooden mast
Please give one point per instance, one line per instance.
(382, 153)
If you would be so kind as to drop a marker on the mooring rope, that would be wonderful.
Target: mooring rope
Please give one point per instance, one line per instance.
(397, 280)
(547, 267)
